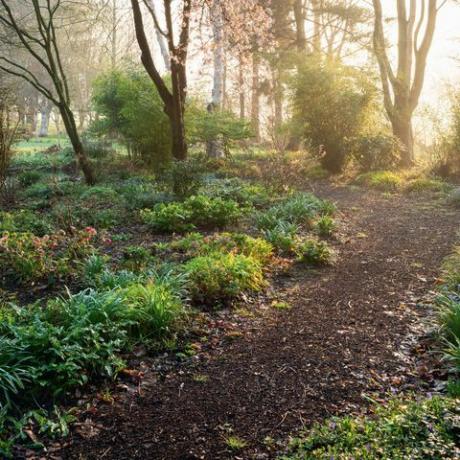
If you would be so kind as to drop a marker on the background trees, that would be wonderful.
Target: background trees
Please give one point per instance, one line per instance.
(38, 38)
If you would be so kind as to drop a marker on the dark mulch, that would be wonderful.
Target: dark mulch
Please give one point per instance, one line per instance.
(296, 366)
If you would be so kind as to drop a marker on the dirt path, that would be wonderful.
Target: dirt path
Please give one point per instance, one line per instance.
(302, 364)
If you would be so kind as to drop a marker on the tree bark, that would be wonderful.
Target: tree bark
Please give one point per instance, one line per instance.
(241, 88)
(214, 147)
(45, 114)
(255, 102)
(174, 98)
(403, 131)
(71, 128)
(401, 90)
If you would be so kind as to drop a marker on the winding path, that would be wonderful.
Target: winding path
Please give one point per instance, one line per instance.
(302, 364)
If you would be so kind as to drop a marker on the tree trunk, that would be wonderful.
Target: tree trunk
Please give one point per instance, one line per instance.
(402, 130)
(255, 103)
(214, 147)
(316, 6)
(179, 144)
(79, 151)
(241, 87)
(278, 99)
(45, 113)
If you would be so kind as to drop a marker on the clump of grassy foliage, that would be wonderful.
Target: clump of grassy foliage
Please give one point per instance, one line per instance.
(195, 212)
(53, 350)
(314, 252)
(449, 310)
(386, 181)
(402, 429)
(283, 224)
(426, 184)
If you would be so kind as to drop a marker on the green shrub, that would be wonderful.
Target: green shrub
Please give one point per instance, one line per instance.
(314, 252)
(25, 221)
(376, 152)
(184, 178)
(424, 184)
(152, 310)
(212, 212)
(40, 190)
(451, 271)
(419, 430)
(28, 178)
(245, 194)
(332, 103)
(132, 111)
(168, 218)
(142, 194)
(222, 277)
(196, 211)
(136, 258)
(99, 194)
(325, 226)
(26, 258)
(298, 209)
(283, 236)
(386, 181)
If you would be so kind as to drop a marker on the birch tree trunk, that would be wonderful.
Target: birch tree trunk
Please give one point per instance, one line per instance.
(45, 114)
(255, 102)
(214, 147)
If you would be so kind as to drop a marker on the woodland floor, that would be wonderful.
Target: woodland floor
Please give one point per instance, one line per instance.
(288, 368)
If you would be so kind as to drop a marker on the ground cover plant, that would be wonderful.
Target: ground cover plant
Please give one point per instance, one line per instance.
(123, 264)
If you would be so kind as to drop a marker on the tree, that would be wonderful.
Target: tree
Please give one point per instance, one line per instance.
(174, 98)
(38, 38)
(8, 128)
(214, 148)
(402, 89)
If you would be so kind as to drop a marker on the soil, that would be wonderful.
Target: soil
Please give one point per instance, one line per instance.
(341, 338)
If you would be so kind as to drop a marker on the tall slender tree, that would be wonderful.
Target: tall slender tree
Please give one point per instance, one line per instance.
(402, 88)
(174, 98)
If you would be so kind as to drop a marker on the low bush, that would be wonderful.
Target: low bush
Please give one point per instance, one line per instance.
(218, 277)
(136, 258)
(184, 178)
(325, 226)
(25, 221)
(298, 209)
(152, 310)
(47, 352)
(283, 236)
(196, 211)
(376, 152)
(196, 244)
(28, 178)
(142, 194)
(386, 181)
(424, 184)
(425, 429)
(26, 258)
(244, 193)
(314, 252)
